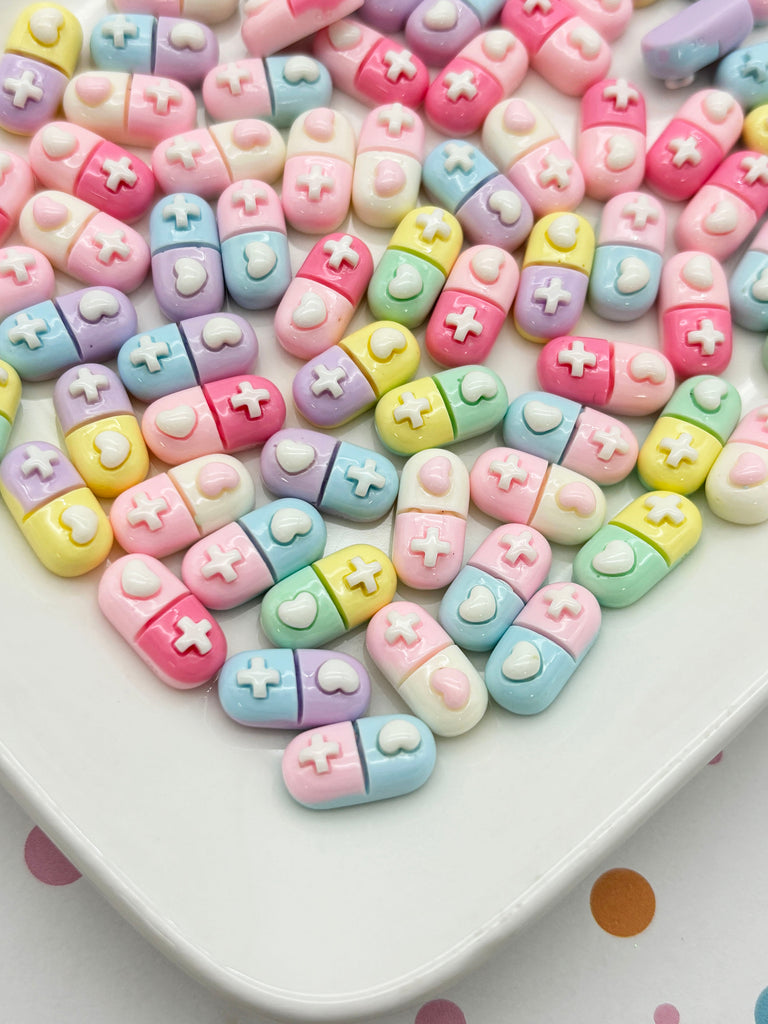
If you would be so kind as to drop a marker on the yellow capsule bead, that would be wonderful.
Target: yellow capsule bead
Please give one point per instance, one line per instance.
(755, 129)
(386, 352)
(48, 33)
(432, 233)
(561, 239)
(413, 417)
(71, 534)
(360, 579)
(10, 396)
(109, 454)
(668, 521)
(676, 455)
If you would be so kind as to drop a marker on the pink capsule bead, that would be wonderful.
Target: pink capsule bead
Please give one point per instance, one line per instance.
(611, 139)
(387, 175)
(26, 278)
(269, 27)
(16, 186)
(317, 179)
(695, 315)
(609, 17)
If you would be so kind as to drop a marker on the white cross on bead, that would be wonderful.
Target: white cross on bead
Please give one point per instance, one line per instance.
(315, 182)
(756, 168)
(664, 508)
(181, 211)
(686, 151)
(519, 545)
(249, 198)
(119, 28)
(576, 357)
(365, 477)
(460, 85)
(249, 398)
(23, 89)
(679, 449)
(340, 251)
(112, 245)
(430, 547)
(622, 94)
(707, 337)
(193, 634)
(458, 154)
(399, 64)
(183, 151)
(433, 225)
(17, 263)
(28, 330)
(553, 295)
(162, 93)
(411, 408)
(363, 575)
(508, 471)
(119, 172)
(318, 752)
(562, 601)
(557, 171)
(641, 210)
(532, 6)
(38, 460)
(232, 77)
(327, 380)
(401, 627)
(396, 117)
(608, 442)
(87, 385)
(149, 353)
(221, 563)
(258, 677)
(146, 512)
(464, 323)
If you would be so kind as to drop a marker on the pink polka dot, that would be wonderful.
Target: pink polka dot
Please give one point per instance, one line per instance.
(46, 861)
(716, 759)
(666, 1013)
(440, 1011)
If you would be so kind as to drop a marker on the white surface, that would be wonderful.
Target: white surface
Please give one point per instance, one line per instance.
(180, 817)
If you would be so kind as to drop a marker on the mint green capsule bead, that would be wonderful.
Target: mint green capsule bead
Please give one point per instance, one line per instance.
(618, 567)
(476, 398)
(299, 612)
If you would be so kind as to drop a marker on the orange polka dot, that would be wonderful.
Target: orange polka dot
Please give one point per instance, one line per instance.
(622, 902)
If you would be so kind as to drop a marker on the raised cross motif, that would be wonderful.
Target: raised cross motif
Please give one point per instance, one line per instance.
(340, 251)
(147, 511)
(363, 575)
(221, 563)
(562, 601)
(111, 245)
(508, 471)
(464, 323)
(430, 547)
(193, 634)
(119, 28)
(119, 172)
(686, 151)
(181, 211)
(412, 409)
(183, 151)
(365, 477)
(87, 385)
(149, 353)
(460, 85)
(315, 182)
(707, 337)
(679, 449)
(553, 295)
(576, 358)
(23, 89)
(27, 330)
(232, 76)
(249, 398)
(519, 545)
(402, 627)
(664, 507)
(18, 264)
(258, 678)
(38, 460)
(327, 380)
(318, 753)
(622, 94)
(399, 64)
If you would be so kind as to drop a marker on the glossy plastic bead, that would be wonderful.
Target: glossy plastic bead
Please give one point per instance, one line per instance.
(177, 356)
(26, 277)
(101, 432)
(359, 762)
(430, 673)
(166, 47)
(132, 110)
(438, 29)
(59, 517)
(172, 510)
(412, 271)
(324, 601)
(207, 160)
(320, 301)
(609, 17)
(695, 329)
(744, 74)
(755, 131)
(489, 68)
(82, 241)
(49, 337)
(226, 415)
(254, 244)
(498, 579)
(611, 139)
(161, 621)
(565, 50)
(737, 484)
(208, 11)
(626, 270)
(693, 144)
(582, 439)
(245, 558)
(433, 412)
(371, 67)
(41, 53)
(349, 378)
(10, 397)
(279, 689)
(489, 208)
(17, 184)
(555, 275)
(641, 545)
(630, 380)
(336, 477)
(386, 15)
(267, 28)
(79, 162)
(689, 435)
(748, 285)
(317, 179)
(516, 487)
(524, 144)
(472, 307)
(276, 89)
(543, 647)
(723, 213)
(387, 175)
(187, 272)
(694, 37)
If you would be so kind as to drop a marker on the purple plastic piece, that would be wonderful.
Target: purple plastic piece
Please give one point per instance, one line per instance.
(329, 408)
(486, 219)
(550, 314)
(295, 463)
(36, 472)
(386, 15)
(89, 392)
(170, 280)
(188, 64)
(99, 319)
(315, 702)
(437, 46)
(695, 37)
(30, 93)
(222, 353)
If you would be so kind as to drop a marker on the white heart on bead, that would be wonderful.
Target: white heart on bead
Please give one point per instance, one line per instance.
(634, 275)
(522, 662)
(113, 448)
(138, 580)
(406, 283)
(616, 558)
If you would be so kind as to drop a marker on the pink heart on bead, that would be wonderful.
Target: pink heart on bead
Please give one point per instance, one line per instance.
(576, 498)
(435, 475)
(93, 89)
(250, 133)
(452, 685)
(748, 470)
(518, 118)
(318, 124)
(215, 478)
(389, 178)
(49, 213)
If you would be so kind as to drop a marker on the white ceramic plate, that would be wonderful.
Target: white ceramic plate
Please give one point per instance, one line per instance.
(180, 816)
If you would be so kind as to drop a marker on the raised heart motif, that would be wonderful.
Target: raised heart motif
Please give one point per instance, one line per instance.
(578, 498)
(294, 456)
(717, 105)
(406, 283)
(92, 89)
(759, 287)
(562, 231)
(344, 35)
(396, 735)
(479, 605)
(261, 260)
(441, 17)
(220, 331)
(187, 35)
(113, 448)
(648, 366)
(586, 41)
(507, 205)
(621, 153)
(386, 340)
(388, 179)
(96, 303)
(82, 523)
(177, 421)
(300, 68)
(748, 470)
(435, 475)
(138, 580)
(697, 272)
(298, 613)
(452, 685)
(49, 213)
(540, 418)
(57, 141)
(250, 133)
(288, 523)
(616, 558)
(523, 662)
(518, 118)
(337, 676)
(722, 218)
(634, 275)
(319, 124)
(310, 312)
(486, 264)
(497, 43)
(214, 478)
(45, 25)
(709, 393)
(476, 385)
(190, 275)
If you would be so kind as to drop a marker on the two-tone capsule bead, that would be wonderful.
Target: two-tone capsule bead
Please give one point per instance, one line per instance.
(327, 599)
(641, 545)
(177, 356)
(228, 415)
(685, 440)
(241, 560)
(438, 31)
(17, 183)
(187, 272)
(172, 510)
(26, 277)
(101, 433)
(358, 762)
(584, 440)
(337, 477)
(433, 412)
(387, 174)
(461, 178)
(10, 398)
(301, 689)
(254, 244)
(516, 487)
(266, 28)
(694, 314)
(737, 484)
(427, 669)
(543, 647)
(58, 515)
(44, 339)
(320, 301)
(499, 578)
(317, 178)
(174, 48)
(626, 270)
(276, 89)
(161, 621)
(748, 285)
(611, 139)
(349, 378)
